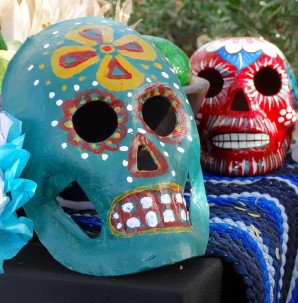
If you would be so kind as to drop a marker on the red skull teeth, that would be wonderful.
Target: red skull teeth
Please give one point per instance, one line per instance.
(161, 208)
(241, 140)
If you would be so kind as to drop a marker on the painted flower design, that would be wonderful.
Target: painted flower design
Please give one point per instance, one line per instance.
(248, 44)
(116, 71)
(97, 146)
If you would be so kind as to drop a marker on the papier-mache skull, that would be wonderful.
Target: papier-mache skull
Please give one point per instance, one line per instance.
(101, 107)
(246, 120)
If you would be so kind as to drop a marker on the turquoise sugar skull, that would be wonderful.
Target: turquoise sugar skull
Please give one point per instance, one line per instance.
(102, 108)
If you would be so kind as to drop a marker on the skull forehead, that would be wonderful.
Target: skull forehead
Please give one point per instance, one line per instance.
(74, 55)
(247, 44)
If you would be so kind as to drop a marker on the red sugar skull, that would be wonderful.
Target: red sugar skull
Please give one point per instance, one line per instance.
(246, 120)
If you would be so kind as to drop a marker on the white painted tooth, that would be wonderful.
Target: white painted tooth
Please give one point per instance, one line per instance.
(250, 137)
(234, 136)
(220, 137)
(242, 137)
(133, 222)
(116, 216)
(235, 145)
(258, 136)
(147, 202)
(119, 225)
(168, 216)
(258, 143)
(179, 198)
(226, 137)
(227, 144)
(127, 207)
(151, 219)
(215, 139)
(165, 199)
(242, 144)
(216, 144)
(183, 214)
(250, 144)
(264, 137)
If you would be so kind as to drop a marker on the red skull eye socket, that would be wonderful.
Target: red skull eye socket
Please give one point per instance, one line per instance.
(159, 115)
(95, 121)
(215, 79)
(267, 81)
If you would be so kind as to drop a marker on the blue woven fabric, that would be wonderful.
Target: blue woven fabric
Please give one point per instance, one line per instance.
(254, 226)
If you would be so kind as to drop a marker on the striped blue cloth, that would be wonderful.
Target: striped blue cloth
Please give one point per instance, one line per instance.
(254, 226)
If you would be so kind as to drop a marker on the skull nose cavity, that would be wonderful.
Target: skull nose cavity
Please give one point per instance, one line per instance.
(145, 160)
(239, 102)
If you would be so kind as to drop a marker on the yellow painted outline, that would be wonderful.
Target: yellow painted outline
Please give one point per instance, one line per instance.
(65, 73)
(175, 187)
(119, 84)
(106, 33)
(148, 51)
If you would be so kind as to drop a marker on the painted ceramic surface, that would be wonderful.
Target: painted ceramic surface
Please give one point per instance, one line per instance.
(82, 89)
(247, 117)
(177, 58)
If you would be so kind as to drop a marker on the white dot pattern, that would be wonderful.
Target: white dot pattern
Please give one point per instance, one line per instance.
(54, 123)
(84, 156)
(287, 116)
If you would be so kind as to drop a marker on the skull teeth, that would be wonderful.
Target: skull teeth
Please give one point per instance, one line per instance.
(150, 210)
(241, 140)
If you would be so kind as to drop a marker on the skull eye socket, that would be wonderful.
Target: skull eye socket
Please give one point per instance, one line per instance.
(95, 121)
(215, 79)
(267, 81)
(159, 115)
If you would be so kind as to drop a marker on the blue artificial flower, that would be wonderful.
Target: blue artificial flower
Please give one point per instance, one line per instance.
(14, 192)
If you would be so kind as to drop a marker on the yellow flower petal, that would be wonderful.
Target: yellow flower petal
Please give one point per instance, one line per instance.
(134, 47)
(70, 60)
(92, 35)
(117, 74)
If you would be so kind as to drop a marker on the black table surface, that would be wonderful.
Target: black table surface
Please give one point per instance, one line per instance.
(34, 276)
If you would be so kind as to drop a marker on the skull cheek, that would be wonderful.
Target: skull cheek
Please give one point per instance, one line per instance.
(253, 104)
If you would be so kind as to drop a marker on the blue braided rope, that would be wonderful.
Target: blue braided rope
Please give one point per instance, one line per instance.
(246, 257)
(223, 207)
(283, 193)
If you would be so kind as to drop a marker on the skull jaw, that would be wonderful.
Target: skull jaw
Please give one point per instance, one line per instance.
(102, 256)
(246, 162)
